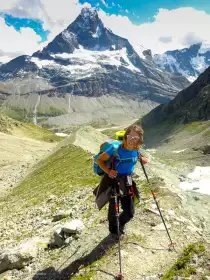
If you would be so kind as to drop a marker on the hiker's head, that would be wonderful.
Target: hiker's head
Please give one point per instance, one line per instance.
(133, 137)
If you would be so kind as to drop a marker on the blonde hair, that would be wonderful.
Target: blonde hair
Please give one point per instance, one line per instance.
(139, 130)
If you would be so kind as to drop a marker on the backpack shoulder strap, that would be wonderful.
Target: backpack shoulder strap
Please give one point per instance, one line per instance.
(116, 147)
(116, 154)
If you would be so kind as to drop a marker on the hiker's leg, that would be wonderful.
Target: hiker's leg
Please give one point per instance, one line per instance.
(127, 203)
(112, 215)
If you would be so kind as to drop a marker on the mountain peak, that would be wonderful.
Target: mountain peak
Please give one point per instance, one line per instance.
(87, 12)
(87, 23)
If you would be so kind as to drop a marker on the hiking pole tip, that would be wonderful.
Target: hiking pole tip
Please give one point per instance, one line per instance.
(171, 247)
(120, 277)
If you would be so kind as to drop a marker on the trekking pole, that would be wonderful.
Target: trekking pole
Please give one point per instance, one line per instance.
(155, 199)
(119, 276)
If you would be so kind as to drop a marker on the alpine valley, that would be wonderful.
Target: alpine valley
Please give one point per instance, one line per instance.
(87, 74)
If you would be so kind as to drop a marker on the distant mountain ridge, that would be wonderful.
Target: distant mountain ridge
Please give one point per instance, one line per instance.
(190, 62)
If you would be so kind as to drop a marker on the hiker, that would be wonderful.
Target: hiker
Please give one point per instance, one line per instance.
(119, 176)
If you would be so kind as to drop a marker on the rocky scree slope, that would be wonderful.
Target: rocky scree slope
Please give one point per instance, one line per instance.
(59, 191)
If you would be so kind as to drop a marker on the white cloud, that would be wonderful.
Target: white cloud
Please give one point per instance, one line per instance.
(6, 56)
(55, 15)
(165, 39)
(17, 43)
(184, 26)
(127, 11)
(5, 5)
(191, 38)
(104, 3)
(171, 29)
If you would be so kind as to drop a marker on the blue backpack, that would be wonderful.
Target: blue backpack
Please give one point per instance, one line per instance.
(104, 146)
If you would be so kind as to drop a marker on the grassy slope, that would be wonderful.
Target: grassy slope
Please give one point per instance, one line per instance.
(193, 263)
(11, 126)
(167, 130)
(196, 127)
(35, 132)
(67, 168)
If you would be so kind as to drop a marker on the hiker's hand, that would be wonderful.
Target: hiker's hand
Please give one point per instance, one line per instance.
(143, 159)
(112, 173)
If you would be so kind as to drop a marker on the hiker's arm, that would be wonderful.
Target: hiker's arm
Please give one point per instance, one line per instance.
(102, 164)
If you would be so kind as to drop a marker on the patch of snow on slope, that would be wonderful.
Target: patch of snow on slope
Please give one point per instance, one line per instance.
(68, 36)
(198, 180)
(98, 32)
(204, 48)
(61, 134)
(199, 64)
(98, 58)
(165, 60)
(139, 50)
(191, 78)
(84, 69)
(178, 151)
(43, 62)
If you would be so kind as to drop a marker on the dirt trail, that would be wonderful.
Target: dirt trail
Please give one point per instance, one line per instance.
(17, 156)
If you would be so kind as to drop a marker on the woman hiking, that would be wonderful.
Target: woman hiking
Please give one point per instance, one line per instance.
(119, 176)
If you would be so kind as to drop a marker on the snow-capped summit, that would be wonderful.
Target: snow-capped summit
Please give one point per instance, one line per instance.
(87, 58)
(89, 32)
(88, 27)
(89, 12)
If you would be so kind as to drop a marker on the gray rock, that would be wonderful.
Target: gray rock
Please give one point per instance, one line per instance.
(62, 233)
(73, 227)
(152, 211)
(61, 215)
(68, 240)
(11, 260)
(20, 256)
(57, 238)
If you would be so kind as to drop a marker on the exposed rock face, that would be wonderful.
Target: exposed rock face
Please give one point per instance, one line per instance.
(192, 103)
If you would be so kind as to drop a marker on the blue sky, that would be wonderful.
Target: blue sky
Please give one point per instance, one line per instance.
(18, 23)
(159, 25)
(138, 12)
